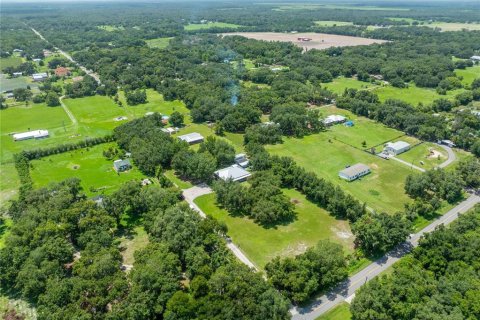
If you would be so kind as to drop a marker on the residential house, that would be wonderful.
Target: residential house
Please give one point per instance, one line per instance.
(62, 72)
(39, 76)
(354, 172)
(192, 138)
(334, 119)
(121, 165)
(234, 172)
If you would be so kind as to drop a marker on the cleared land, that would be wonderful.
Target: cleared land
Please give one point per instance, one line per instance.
(111, 28)
(426, 155)
(319, 40)
(413, 94)
(469, 74)
(338, 85)
(135, 240)
(453, 26)
(327, 23)
(159, 42)
(261, 244)
(12, 61)
(88, 164)
(9, 183)
(382, 189)
(209, 25)
(7, 84)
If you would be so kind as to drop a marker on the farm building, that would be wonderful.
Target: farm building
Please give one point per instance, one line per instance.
(62, 72)
(397, 147)
(39, 76)
(475, 58)
(35, 134)
(170, 130)
(234, 172)
(241, 160)
(17, 74)
(121, 165)
(334, 119)
(192, 138)
(354, 172)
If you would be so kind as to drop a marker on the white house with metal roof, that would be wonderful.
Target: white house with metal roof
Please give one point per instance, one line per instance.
(35, 134)
(334, 119)
(395, 148)
(234, 172)
(192, 138)
(354, 172)
(39, 76)
(121, 165)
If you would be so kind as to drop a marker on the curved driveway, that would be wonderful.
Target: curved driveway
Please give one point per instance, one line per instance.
(451, 156)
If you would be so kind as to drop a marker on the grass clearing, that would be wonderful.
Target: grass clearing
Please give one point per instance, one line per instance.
(469, 74)
(261, 244)
(111, 28)
(9, 183)
(182, 184)
(381, 190)
(339, 85)
(9, 84)
(4, 231)
(453, 26)
(413, 94)
(135, 240)
(430, 154)
(160, 43)
(340, 312)
(12, 61)
(327, 23)
(88, 164)
(210, 25)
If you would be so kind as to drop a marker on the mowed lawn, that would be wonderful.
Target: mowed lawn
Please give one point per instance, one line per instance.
(209, 25)
(413, 94)
(88, 164)
(469, 74)
(382, 189)
(12, 61)
(340, 312)
(426, 155)
(9, 183)
(32, 117)
(339, 85)
(158, 42)
(364, 130)
(261, 244)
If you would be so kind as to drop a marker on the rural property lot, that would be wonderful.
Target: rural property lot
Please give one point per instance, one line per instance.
(382, 189)
(319, 40)
(261, 244)
(338, 85)
(87, 164)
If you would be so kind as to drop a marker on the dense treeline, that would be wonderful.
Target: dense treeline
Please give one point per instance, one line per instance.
(439, 280)
(62, 255)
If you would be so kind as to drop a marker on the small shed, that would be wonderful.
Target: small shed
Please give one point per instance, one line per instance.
(39, 76)
(354, 172)
(241, 160)
(121, 165)
(234, 172)
(396, 148)
(349, 123)
(192, 138)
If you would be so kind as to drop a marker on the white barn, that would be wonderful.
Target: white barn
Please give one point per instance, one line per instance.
(395, 148)
(36, 134)
(192, 138)
(234, 172)
(334, 119)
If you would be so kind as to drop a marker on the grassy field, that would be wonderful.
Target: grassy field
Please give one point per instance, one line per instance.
(306, 6)
(339, 85)
(469, 74)
(261, 244)
(133, 241)
(34, 116)
(182, 184)
(12, 61)
(4, 231)
(326, 23)
(209, 25)
(421, 153)
(9, 183)
(159, 42)
(340, 312)
(382, 189)
(413, 94)
(453, 26)
(14, 83)
(111, 28)
(364, 130)
(87, 164)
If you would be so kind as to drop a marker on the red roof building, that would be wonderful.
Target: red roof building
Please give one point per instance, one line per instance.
(62, 72)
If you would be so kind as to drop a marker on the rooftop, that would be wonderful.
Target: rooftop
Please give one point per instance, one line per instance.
(398, 145)
(191, 137)
(355, 169)
(234, 172)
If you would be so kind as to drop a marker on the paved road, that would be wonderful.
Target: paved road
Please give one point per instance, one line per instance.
(68, 112)
(346, 289)
(69, 57)
(451, 156)
(190, 195)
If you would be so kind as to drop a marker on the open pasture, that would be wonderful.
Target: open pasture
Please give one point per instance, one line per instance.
(158, 42)
(263, 244)
(425, 155)
(328, 23)
(88, 164)
(210, 25)
(413, 94)
(338, 85)
(454, 26)
(469, 74)
(12, 61)
(7, 84)
(319, 40)
(381, 190)
(364, 130)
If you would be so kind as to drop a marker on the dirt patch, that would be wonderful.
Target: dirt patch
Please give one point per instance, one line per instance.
(76, 167)
(317, 40)
(295, 201)
(434, 154)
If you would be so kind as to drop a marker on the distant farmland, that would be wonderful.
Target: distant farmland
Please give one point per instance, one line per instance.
(318, 40)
